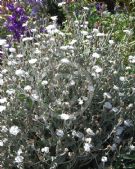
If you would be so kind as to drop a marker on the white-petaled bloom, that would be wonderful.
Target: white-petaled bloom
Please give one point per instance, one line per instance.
(37, 51)
(80, 101)
(32, 61)
(19, 152)
(64, 47)
(19, 159)
(1, 82)
(2, 108)
(122, 79)
(14, 130)
(107, 105)
(90, 132)
(51, 29)
(2, 42)
(35, 97)
(1, 143)
(64, 116)
(72, 83)
(132, 147)
(97, 69)
(20, 72)
(3, 100)
(10, 91)
(61, 4)
(19, 56)
(131, 59)
(27, 39)
(100, 34)
(104, 159)
(85, 8)
(4, 71)
(4, 129)
(128, 32)
(65, 61)
(95, 31)
(87, 147)
(95, 55)
(73, 42)
(85, 33)
(107, 95)
(12, 50)
(116, 88)
(44, 83)
(59, 133)
(88, 140)
(28, 88)
(54, 18)
(45, 150)
(111, 42)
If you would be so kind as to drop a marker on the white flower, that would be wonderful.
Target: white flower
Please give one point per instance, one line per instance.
(107, 105)
(4, 129)
(88, 140)
(35, 97)
(72, 82)
(33, 30)
(27, 88)
(4, 71)
(1, 82)
(2, 42)
(1, 143)
(107, 95)
(44, 82)
(19, 152)
(90, 132)
(2, 108)
(85, 33)
(14, 130)
(64, 116)
(132, 147)
(86, 8)
(12, 50)
(59, 133)
(97, 69)
(54, 18)
(104, 159)
(122, 78)
(100, 34)
(19, 56)
(37, 51)
(3, 100)
(128, 32)
(131, 59)
(80, 101)
(45, 150)
(27, 39)
(65, 60)
(87, 147)
(64, 47)
(19, 159)
(95, 55)
(90, 88)
(32, 61)
(20, 72)
(115, 87)
(10, 91)
(111, 42)
(61, 4)
(95, 31)
(73, 42)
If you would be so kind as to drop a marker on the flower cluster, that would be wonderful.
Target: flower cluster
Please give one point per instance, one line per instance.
(15, 21)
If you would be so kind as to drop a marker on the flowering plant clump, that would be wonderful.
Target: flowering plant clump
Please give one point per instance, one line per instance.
(67, 97)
